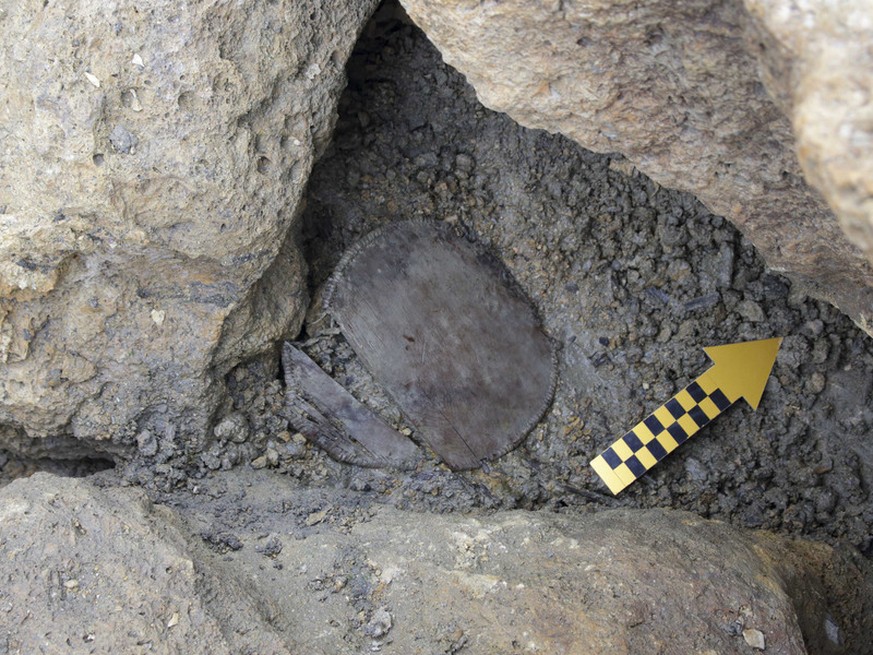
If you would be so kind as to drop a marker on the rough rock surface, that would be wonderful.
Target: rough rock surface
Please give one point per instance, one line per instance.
(151, 163)
(97, 570)
(87, 570)
(677, 88)
(818, 66)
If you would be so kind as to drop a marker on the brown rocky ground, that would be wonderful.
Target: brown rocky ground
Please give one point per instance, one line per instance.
(631, 280)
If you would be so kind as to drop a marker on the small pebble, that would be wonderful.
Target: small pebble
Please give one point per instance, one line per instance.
(233, 427)
(312, 71)
(147, 443)
(755, 638)
(158, 316)
(696, 471)
(211, 460)
(814, 327)
(464, 162)
(832, 630)
(825, 501)
(271, 548)
(751, 311)
(316, 517)
(820, 351)
(815, 383)
(133, 100)
(665, 334)
(380, 624)
(295, 450)
(122, 140)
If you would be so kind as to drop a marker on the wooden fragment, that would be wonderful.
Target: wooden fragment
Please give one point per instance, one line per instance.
(330, 417)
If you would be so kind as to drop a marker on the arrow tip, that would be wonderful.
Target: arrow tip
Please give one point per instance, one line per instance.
(741, 370)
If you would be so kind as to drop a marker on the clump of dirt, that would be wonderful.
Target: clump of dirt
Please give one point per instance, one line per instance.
(631, 279)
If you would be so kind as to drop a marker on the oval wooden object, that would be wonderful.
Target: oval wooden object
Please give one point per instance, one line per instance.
(444, 328)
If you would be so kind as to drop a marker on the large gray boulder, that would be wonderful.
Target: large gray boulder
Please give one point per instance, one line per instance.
(152, 161)
(708, 97)
(255, 564)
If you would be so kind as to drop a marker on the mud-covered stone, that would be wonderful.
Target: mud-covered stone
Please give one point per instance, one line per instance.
(88, 570)
(102, 570)
(151, 162)
(352, 576)
(681, 89)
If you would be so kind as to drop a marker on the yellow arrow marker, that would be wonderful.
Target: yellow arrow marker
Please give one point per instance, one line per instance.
(739, 370)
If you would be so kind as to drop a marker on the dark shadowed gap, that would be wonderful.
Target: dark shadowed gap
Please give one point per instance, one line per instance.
(16, 466)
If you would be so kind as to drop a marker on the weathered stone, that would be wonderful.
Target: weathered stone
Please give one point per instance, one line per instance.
(817, 63)
(232, 427)
(151, 163)
(681, 90)
(91, 571)
(619, 581)
(348, 576)
(616, 582)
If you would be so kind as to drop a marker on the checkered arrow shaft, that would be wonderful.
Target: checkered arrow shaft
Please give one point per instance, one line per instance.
(661, 432)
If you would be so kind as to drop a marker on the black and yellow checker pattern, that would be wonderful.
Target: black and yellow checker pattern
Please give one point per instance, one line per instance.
(660, 433)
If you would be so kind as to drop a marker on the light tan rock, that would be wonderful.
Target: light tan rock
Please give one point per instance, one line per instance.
(681, 89)
(365, 578)
(152, 161)
(622, 581)
(817, 62)
(614, 582)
